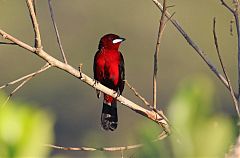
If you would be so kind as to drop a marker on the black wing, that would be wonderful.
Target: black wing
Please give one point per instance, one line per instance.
(94, 65)
(121, 81)
(95, 72)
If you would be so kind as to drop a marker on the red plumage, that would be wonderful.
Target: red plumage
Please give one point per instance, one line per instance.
(109, 70)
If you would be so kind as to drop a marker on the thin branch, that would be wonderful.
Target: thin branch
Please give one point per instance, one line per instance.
(31, 8)
(14, 91)
(26, 79)
(193, 45)
(146, 102)
(150, 114)
(7, 43)
(236, 17)
(45, 67)
(227, 6)
(56, 31)
(159, 37)
(223, 68)
(109, 149)
(137, 94)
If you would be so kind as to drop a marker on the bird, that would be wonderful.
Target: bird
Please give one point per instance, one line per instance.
(109, 70)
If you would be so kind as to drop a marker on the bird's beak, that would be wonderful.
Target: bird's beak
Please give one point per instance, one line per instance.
(118, 40)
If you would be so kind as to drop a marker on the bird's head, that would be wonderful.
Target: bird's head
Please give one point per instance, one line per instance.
(110, 41)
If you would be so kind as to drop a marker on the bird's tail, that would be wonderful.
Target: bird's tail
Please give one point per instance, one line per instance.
(109, 118)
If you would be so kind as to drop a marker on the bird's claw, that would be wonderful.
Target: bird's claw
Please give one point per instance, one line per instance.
(118, 94)
(95, 83)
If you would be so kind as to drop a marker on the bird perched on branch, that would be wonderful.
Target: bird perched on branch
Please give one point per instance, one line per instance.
(109, 70)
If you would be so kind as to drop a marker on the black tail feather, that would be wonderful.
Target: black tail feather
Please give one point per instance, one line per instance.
(109, 118)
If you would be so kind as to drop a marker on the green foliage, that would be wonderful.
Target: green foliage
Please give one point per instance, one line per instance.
(24, 129)
(198, 130)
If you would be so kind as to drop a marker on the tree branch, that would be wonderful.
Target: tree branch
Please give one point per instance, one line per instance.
(152, 115)
(194, 45)
(7, 43)
(155, 69)
(236, 17)
(56, 31)
(26, 79)
(31, 8)
(137, 94)
(109, 149)
(45, 67)
(223, 68)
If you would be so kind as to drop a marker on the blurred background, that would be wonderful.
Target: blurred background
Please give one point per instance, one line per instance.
(67, 112)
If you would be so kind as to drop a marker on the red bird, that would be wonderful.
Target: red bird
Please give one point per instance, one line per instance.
(109, 70)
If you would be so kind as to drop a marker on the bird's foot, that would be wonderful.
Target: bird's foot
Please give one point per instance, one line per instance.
(118, 94)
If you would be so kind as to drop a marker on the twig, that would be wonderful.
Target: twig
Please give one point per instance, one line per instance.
(193, 45)
(14, 91)
(137, 94)
(56, 31)
(31, 8)
(7, 43)
(236, 17)
(45, 67)
(109, 149)
(159, 37)
(159, 112)
(26, 79)
(223, 68)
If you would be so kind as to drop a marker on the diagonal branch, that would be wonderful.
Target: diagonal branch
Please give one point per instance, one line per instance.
(150, 114)
(194, 45)
(7, 43)
(236, 17)
(26, 79)
(223, 68)
(137, 94)
(45, 67)
(56, 31)
(14, 91)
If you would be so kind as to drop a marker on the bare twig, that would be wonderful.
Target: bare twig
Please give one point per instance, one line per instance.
(146, 102)
(223, 68)
(26, 79)
(159, 37)
(194, 45)
(109, 149)
(31, 8)
(236, 17)
(7, 43)
(14, 91)
(137, 94)
(56, 31)
(45, 67)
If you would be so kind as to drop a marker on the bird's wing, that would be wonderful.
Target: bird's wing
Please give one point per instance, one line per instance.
(121, 74)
